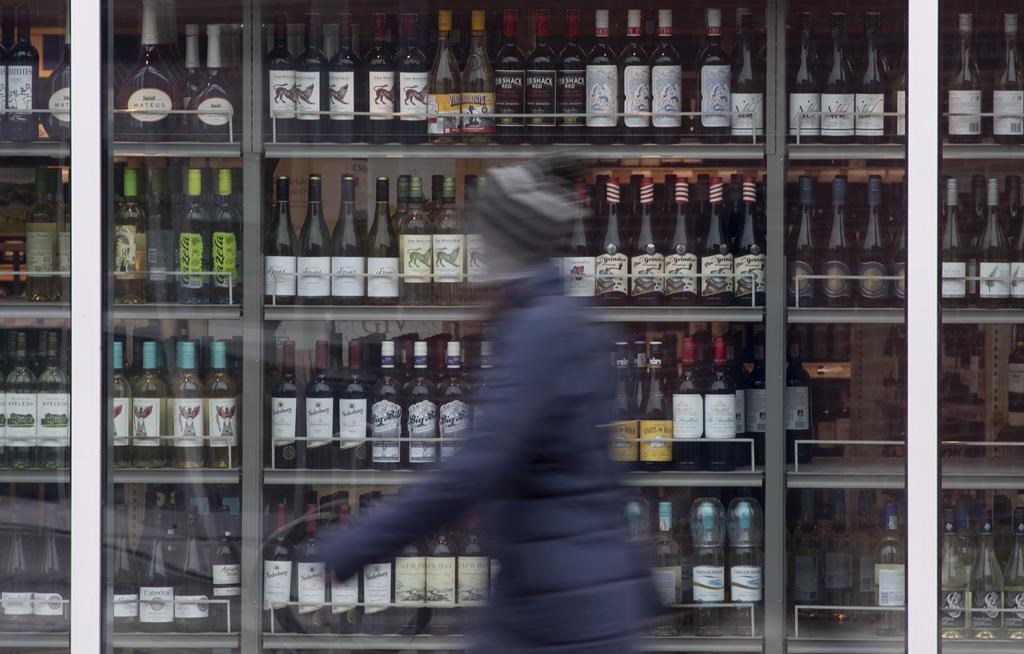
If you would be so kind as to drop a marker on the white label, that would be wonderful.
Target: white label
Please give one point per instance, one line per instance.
(342, 86)
(417, 258)
(223, 421)
(282, 419)
(602, 95)
(21, 419)
(319, 421)
(376, 586)
(277, 584)
(382, 94)
(636, 89)
(311, 586)
(215, 112)
(54, 415)
(757, 410)
(440, 580)
(1015, 382)
(612, 271)
(347, 276)
(708, 583)
(803, 125)
(383, 279)
(227, 580)
(16, 603)
(410, 580)
(146, 421)
(578, 276)
(476, 263)
(148, 105)
(668, 584)
(965, 113)
(352, 422)
(314, 276)
(386, 422)
(869, 119)
(282, 93)
(307, 94)
(47, 604)
(1017, 275)
(681, 273)
(806, 578)
(687, 416)
(126, 606)
(748, 114)
(838, 571)
(473, 580)
(39, 248)
(995, 280)
(666, 95)
(745, 583)
(714, 96)
(838, 114)
(156, 604)
(453, 420)
(344, 594)
(422, 423)
(191, 607)
(953, 283)
(796, 408)
(741, 410)
(280, 276)
(412, 95)
(901, 110)
(1008, 110)
(118, 420)
(188, 422)
(19, 88)
(449, 257)
(720, 416)
(718, 274)
(866, 573)
(648, 274)
(60, 104)
(892, 581)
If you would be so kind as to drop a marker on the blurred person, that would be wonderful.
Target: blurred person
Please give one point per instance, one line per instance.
(537, 472)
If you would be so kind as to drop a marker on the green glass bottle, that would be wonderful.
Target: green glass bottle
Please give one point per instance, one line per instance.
(194, 244)
(186, 408)
(225, 238)
(222, 411)
(21, 408)
(53, 400)
(449, 245)
(148, 419)
(416, 242)
(953, 617)
(121, 443)
(41, 241)
(130, 249)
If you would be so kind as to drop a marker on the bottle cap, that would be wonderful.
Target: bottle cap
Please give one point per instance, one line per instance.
(186, 355)
(872, 19)
(714, 20)
(416, 188)
(1018, 521)
(993, 192)
(118, 355)
(952, 192)
(454, 354)
(720, 347)
(282, 189)
(874, 190)
(448, 191)
(715, 191)
(689, 351)
(838, 20)
(806, 22)
(839, 190)
(378, 23)
(382, 189)
(408, 27)
(664, 516)
(478, 20)
(572, 23)
(510, 20)
(218, 355)
(195, 182)
(647, 191)
(131, 182)
(601, 22)
(224, 181)
(191, 29)
(682, 191)
(149, 355)
(985, 520)
(1010, 23)
(664, 22)
(444, 20)
(213, 29)
(486, 352)
(314, 188)
(348, 188)
(543, 22)
(966, 23)
(749, 190)
(612, 190)
(633, 19)
(419, 354)
(387, 354)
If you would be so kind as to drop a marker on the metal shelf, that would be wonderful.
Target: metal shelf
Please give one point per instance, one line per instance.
(847, 646)
(981, 647)
(177, 311)
(295, 642)
(174, 641)
(468, 314)
(972, 151)
(460, 151)
(695, 644)
(968, 474)
(35, 476)
(28, 640)
(828, 152)
(977, 316)
(36, 149)
(737, 479)
(174, 476)
(852, 315)
(217, 150)
(848, 473)
(35, 310)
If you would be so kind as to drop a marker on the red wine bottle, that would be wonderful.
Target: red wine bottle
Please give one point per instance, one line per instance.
(280, 116)
(311, 84)
(151, 90)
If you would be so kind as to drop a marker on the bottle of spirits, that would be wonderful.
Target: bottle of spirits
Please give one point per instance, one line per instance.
(891, 575)
(796, 403)
(278, 572)
(22, 408)
(121, 403)
(279, 250)
(750, 251)
(280, 84)
(647, 263)
(221, 399)
(417, 249)
(720, 410)
(953, 618)
(124, 575)
(186, 408)
(130, 247)
(666, 83)
(413, 72)
(148, 422)
(386, 413)
(288, 453)
(964, 100)
(994, 255)
(348, 262)
(602, 85)
(838, 287)
(541, 67)
(58, 121)
(453, 412)
(872, 252)
(1008, 90)
(54, 410)
(986, 585)
(441, 567)
(193, 245)
(571, 83)
(477, 105)
(805, 97)
(714, 73)
(655, 416)
(214, 101)
(1013, 581)
(837, 96)
(345, 94)
(448, 244)
(708, 535)
(667, 571)
(379, 64)
(312, 615)
(191, 591)
(869, 100)
(510, 83)
(157, 583)
(445, 99)
(716, 262)
(22, 80)
(421, 411)
(954, 254)
(747, 87)
(319, 414)
(226, 570)
(635, 68)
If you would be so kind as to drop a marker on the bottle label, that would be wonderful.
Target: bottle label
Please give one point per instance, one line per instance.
(225, 260)
(188, 422)
(54, 411)
(837, 283)
(741, 410)
(477, 109)
(277, 584)
(871, 285)
(310, 586)
(352, 422)
(126, 259)
(381, 94)
(144, 105)
(227, 579)
(319, 421)
(891, 580)
(953, 615)
(757, 410)
(376, 586)
(901, 110)
(156, 604)
(347, 276)
(708, 583)
(1015, 381)
(578, 276)
(989, 601)
(1014, 599)
(715, 97)
(666, 93)
(16, 603)
(126, 606)
(869, 120)
(837, 117)
(21, 419)
(509, 97)
(612, 273)
(64, 249)
(838, 571)
(190, 259)
(571, 96)
(995, 279)
(680, 274)
(803, 286)
(118, 420)
(191, 607)
(636, 93)
(953, 283)
(383, 277)
(386, 422)
(867, 574)
(801, 124)
(417, 256)
(965, 113)
(422, 423)
(413, 96)
(806, 579)
(282, 93)
(60, 105)
(146, 421)
(720, 416)
(215, 112)
(656, 441)
(344, 594)
(602, 95)
(472, 578)
(899, 286)
(649, 274)
(476, 263)
(796, 408)
(748, 114)
(341, 91)
(687, 416)
(314, 276)
(282, 420)
(47, 604)
(410, 580)
(749, 275)
(443, 113)
(718, 274)
(745, 583)
(1017, 279)
(307, 94)
(449, 257)
(624, 435)
(39, 247)
(440, 580)
(20, 93)
(540, 97)
(668, 583)
(160, 253)
(453, 419)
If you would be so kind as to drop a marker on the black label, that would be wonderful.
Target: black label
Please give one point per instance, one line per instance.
(953, 615)
(508, 96)
(572, 94)
(1014, 599)
(540, 96)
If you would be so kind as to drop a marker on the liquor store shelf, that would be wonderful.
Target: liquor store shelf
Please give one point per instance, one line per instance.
(35, 310)
(829, 152)
(177, 311)
(852, 315)
(35, 476)
(459, 151)
(155, 149)
(456, 314)
(175, 476)
(852, 646)
(175, 641)
(978, 316)
(29, 640)
(973, 151)
(296, 642)
(36, 149)
(737, 479)
(848, 473)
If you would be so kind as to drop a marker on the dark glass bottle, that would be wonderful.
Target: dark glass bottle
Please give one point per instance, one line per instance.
(353, 424)
(413, 71)
(284, 401)
(53, 575)
(756, 411)
(421, 412)
(570, 94)
(714, 73)
(666, 84)
(125, 575)
(58, 92)
(602, 85)
(837, 96)
(747, 87)
(805, 91)
(871, 253)
(148, 93)
(1008, 90)
(157, 582)
(312, 614)
(898, 260)
(716, 262)
(681, 262)
(348, 257)
(838, 286)
(688, 411)
(510, 82)
(311, 84)
(191, 591)
(216, 100)
(541, 65)
(993, 256)
(453, 409)
(345, 93)
(319, 414)
(872, 85)
(278, 572)
(750, 250)
(612, 264)
(647, 286)
(226, 569)
(964, 89)
(655, 416)
(382, 252)
(22, 84)
(280, 112)
(379, 65)
(635, 73)
(797, 404)
(953, 251)
(579, 260)
(314, 255)
(386, 413)
(279, 250)
(720, 411)
(624, 411)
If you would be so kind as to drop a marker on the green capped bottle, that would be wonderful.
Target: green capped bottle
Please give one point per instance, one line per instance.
(148, 419)
(416, 243)
(222, 411)
(21, 408)
(194, 245)
(130, 251)
(186, 407)
(225, 238)
(449, 245)
(53, 399)
(121, 442)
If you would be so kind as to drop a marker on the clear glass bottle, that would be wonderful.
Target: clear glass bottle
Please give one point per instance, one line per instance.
(1013, 581)
(53, 401)
(808, 551)
(954, 580)
(667, 571)
(964, 88)
(891, 575)
(22, 409)
(41, 241)
(149, 419)
(707, 529)
(839, 570)
(745, 527)
(222, 411)
(986, 585)
(416, 242)
(130, 246)
(193, 245)
(189, 437)
(121, 390)
(478, 87)
(445, 98)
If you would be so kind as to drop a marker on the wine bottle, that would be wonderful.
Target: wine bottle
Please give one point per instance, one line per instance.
(314, 260)
(750, 251)
(120, 436)
(805, 97)
(382, 253)
(869, 100)
(706, 530)
(578, 264)
(41, 241)
(509, 82)
(714, 74)
(279, 253)
(1008, 90)
(194, 78)
(312, 615)
(413, 72)
(838, 559)
(348, 261)
(681, 263)
(226, 570)
(160, 237)
(148, 420)
(311, 84)
(192, 590)
(440, 569)
(667, 571)
(417, 249)
(319, 414)
(353, 424)
(954, 584)
(345, 95)
(189, 437)
(225, 237)
(655, 416)
(278, 572)
(541, 67)
(477, 104)
(1013, 581)
(954, 255)
(994, 255)
(130, 247)
(602, 85)
(448, 244)
(837, 96)
(720, 410)
(421, 412)
(472, 577)
(964, 99)
(386, 413)
(688, 411)
(891, 576)
(58, 121)
(745, 528)
(808, 551)
(635, 70)
(444, 102)
(345, 593)
(124, 575)
(624, 428)
(53, 401)
(284, 399)
(157, 582)
(571, 83)
(379, 64)
(796, 405)
(612, 267)
(836, 267)
(454, 411)
(871, 253)
(666, 83)
(898, 262)
(647, 263)
(280, 84)
(22, 81)
(194, 251)
(214, 102)
(151, 90)
(221, 398)
(22, 408)
(747, 87)
(716, 262)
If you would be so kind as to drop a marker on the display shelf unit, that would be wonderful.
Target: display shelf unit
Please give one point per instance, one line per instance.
(53, 149)
(727, 152)
(146, 641)
(849, 646)
(828, 152)
(812, 316)
(968, 474)
(30, 641)
(299, 642)
(184, 149)
(35, 476)
(475, 313)
(847, 473)
(21, 310)
(979, 316)
(175, 476)
(974, 151)
(177, 312)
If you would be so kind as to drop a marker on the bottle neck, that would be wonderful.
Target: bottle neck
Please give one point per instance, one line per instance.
(213, 58)
(192, 51)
